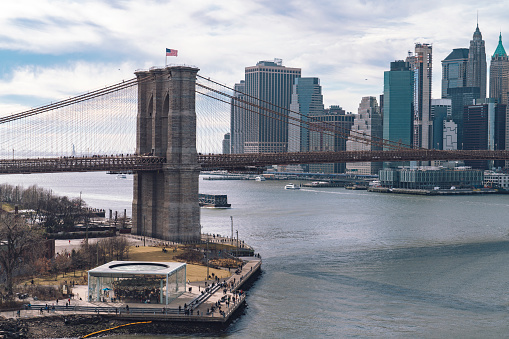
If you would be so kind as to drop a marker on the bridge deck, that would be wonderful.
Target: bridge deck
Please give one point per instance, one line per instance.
(236, 161)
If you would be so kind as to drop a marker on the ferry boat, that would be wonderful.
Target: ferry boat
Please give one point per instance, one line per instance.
(291, 186)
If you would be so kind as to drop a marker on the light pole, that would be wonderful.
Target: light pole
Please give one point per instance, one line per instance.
(207, 253)
(231, 218)
(237, 243)
(143, 231)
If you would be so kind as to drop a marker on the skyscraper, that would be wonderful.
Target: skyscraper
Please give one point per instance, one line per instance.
(327, 133)
(461, 97)
(269, 87)
(307, 100)
(238, 120)
(499, 74)
(454, 70)
(484, 127)
(367, 122)
(464, 80)
(421, 64)
(398, 103)
(476, 66)
(440, 110)
(450, 141)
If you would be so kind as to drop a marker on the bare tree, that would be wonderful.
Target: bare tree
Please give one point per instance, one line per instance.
(18, 243)
(63, 262)
(42, 265)
(121, 247)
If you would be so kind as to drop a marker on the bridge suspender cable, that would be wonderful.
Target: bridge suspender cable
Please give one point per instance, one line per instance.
(74, 100)
(324, 129)
(334, 128)
(313, 125)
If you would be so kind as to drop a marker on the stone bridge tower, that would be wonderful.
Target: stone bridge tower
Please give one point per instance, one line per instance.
(165, 203)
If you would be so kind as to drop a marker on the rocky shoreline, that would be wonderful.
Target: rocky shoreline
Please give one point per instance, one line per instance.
(77, 326)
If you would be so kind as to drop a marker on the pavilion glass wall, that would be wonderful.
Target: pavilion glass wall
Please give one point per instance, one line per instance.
(137, 288)
(176, 283)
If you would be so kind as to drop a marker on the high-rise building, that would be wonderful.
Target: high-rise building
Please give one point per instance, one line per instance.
(476, 66)
(484, 129)
(499, 74)
(450, 135)
(464, 80)
(226, 144)
(398, 111)
(454, 70)
(307, 100)
(238, 118)
(367, 122)
(440, 111)
(268, 86)
(499, 82)
(461, 97)
(421, 64)
(328, 132)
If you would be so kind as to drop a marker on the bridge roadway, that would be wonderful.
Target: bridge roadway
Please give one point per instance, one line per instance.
(209, 162)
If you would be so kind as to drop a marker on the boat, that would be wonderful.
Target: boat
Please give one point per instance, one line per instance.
(291, 186)
(260, 178)
(213, 201)
(356, 187)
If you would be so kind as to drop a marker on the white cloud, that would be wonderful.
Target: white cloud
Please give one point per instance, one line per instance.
(341, 42)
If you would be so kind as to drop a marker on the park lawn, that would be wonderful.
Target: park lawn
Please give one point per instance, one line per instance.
(7, 207)
(148, 253)
(49, 279)
(193, 272)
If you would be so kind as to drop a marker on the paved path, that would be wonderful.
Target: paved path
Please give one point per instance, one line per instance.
(201, 302)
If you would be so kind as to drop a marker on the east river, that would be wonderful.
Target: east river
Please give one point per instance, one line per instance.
(340, 263)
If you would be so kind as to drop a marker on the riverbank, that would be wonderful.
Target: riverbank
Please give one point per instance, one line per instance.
(207, 311)
(457, 191)
(80, 325)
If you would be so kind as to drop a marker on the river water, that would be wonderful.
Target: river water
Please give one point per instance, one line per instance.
(340, 263)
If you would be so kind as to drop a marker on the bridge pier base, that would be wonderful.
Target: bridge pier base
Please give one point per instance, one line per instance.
(165, 203)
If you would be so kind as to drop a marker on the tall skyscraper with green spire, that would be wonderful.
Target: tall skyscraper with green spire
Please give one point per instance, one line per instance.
(499, 74)
(476, 64)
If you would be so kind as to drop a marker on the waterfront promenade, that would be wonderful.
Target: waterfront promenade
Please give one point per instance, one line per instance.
(204, 301)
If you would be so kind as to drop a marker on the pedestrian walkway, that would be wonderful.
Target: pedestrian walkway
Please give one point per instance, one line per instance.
(213, 300)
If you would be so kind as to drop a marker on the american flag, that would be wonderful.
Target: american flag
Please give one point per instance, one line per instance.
(171, 52)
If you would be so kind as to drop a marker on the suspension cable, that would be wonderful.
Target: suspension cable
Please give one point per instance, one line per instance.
(376, 140)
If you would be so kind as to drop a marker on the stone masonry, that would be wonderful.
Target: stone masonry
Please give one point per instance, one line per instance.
(165, 203)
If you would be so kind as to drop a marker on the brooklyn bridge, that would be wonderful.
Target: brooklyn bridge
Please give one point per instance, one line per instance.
(164, 125)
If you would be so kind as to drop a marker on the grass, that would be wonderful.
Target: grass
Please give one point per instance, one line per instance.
(7, 207)
(193, 272)
(49, 279)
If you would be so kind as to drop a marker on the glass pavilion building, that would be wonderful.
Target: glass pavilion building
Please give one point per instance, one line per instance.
(137, 282)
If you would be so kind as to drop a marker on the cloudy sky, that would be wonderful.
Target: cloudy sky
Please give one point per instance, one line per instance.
(53, 49)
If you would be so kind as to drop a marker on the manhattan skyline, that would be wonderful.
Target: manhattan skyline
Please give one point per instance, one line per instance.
(52, 50)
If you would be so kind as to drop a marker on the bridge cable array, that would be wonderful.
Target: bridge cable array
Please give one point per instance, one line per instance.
(312, 125)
